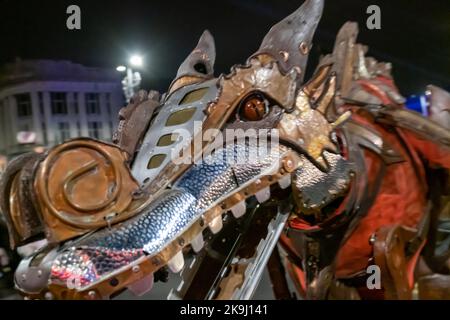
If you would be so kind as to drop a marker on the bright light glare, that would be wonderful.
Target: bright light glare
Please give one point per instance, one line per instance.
(121, 68)
(136, 61)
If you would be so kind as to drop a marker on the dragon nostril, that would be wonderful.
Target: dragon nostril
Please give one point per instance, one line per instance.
(114, 282)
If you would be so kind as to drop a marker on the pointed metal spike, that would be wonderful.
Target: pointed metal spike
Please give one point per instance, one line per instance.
(327, 97)
(344, 56)
(342, 119)
(317, 80)
(216, 224)
(239, 209)
(362, 72)
(322, 162)
(142, 286)
(285, 182)
(201, 60)
(290, 40)
(330, 146)
(263, 195)
(176, 263)
(198, 242)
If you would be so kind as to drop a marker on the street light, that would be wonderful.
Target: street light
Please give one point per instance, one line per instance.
(132, 79)
(136, 61)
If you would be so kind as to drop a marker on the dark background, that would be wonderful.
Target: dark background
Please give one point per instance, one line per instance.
(415, 35)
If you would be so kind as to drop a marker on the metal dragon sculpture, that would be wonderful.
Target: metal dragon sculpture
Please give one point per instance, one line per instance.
(355, 180)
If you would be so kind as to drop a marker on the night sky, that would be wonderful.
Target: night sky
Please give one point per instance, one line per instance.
(415, 35)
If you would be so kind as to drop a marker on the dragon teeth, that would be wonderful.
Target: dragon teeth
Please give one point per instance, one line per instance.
(142, 286)
(285, 182)
(263, 195)
(197, 243)
(239, 209)
(216, 224)
(176, 263)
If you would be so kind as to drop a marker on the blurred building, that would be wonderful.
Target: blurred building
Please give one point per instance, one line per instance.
(45, 102)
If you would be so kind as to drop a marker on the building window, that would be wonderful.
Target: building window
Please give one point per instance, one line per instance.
(94, 129)
(44, 133)
(111, 128)
(59, 103)
(108, 103)
(92, 103)
(75, 102)
(79, 129)
(41, 103)
(25, 127)
(24, 105)
(64, 131)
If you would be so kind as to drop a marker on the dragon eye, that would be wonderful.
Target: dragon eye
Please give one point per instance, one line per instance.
(253, 108)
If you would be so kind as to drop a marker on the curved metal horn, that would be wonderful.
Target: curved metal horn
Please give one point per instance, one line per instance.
(290, 40)
(200, 63)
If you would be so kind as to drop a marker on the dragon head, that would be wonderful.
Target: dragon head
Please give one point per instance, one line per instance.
(194, 154)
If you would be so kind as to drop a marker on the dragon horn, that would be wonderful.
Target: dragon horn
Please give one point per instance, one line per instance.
(289, 41)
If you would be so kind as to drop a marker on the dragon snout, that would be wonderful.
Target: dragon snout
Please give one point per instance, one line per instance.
(126, 254)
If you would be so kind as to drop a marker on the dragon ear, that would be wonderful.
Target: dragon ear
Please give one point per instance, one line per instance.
(290, 40)
(201, 60)
(199, 65)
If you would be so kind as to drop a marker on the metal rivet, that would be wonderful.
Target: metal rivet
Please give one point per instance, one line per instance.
(390, 152)
(372, 239)
(289, 165)
(114, 282)
(284, 55)
(136, 269)
(156, 261)
(303, 47)
(48, 296)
